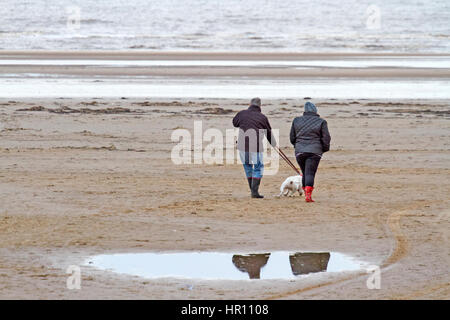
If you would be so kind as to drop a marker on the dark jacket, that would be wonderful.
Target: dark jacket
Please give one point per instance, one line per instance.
(309, 133)
(253, 126)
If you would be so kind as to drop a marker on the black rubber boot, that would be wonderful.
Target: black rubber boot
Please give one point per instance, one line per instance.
(255, 187)
(250, 183)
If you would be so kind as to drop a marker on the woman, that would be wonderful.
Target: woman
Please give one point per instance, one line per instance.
(310, 136)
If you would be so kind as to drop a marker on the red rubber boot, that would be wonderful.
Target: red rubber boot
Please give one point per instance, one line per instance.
(308, 194)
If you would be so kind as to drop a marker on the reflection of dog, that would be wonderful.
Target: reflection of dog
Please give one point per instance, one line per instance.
(290, 186)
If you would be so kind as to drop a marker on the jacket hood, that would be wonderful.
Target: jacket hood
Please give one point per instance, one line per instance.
(310, 107)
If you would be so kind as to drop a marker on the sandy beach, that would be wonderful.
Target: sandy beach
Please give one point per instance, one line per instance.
(87, 176)
(120, 177)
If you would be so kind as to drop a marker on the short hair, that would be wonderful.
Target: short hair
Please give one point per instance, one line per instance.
(256, 102)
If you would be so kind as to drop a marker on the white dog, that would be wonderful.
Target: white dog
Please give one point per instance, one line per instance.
(290, 186)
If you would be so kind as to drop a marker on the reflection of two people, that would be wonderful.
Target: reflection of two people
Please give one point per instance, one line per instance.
(301, 263)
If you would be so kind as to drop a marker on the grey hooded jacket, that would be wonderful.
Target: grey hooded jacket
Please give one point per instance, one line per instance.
(309, 133)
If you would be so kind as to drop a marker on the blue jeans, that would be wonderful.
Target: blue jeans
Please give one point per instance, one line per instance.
(253, 164)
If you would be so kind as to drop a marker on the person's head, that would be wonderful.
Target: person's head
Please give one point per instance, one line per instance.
(310, 107)
(255, 102)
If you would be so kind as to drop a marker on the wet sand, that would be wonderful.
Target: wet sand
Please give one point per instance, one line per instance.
(80, 177)
(277, 72)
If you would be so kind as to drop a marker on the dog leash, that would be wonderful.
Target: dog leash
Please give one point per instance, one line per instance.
(289, 162)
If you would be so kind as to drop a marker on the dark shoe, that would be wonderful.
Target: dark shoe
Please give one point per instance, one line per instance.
(250, 183)
(255, 187)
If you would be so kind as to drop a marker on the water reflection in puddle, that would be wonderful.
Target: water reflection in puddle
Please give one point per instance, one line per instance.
(225, 266)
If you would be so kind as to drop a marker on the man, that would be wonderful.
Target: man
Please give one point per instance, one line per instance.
(310, 136)
(253, 125)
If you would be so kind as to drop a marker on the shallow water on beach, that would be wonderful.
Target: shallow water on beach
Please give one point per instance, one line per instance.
(396, 62)
(223, 88)
(225, 266)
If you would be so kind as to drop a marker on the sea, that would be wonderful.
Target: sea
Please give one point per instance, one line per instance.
(400, 26)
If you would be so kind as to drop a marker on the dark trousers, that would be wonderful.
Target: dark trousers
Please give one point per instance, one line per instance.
(308, 162)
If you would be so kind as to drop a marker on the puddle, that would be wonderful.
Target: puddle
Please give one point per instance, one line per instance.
(225, 266)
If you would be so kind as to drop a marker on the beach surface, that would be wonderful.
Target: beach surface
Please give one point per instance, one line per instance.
(81, 177)
(84, 176)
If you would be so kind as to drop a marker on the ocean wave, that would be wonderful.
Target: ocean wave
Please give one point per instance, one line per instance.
(227, 25)
(20, 33)
(95, 21)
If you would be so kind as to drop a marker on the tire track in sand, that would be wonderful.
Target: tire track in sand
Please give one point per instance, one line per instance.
(400, 250)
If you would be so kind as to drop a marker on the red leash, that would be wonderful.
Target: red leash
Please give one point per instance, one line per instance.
(289, 162)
